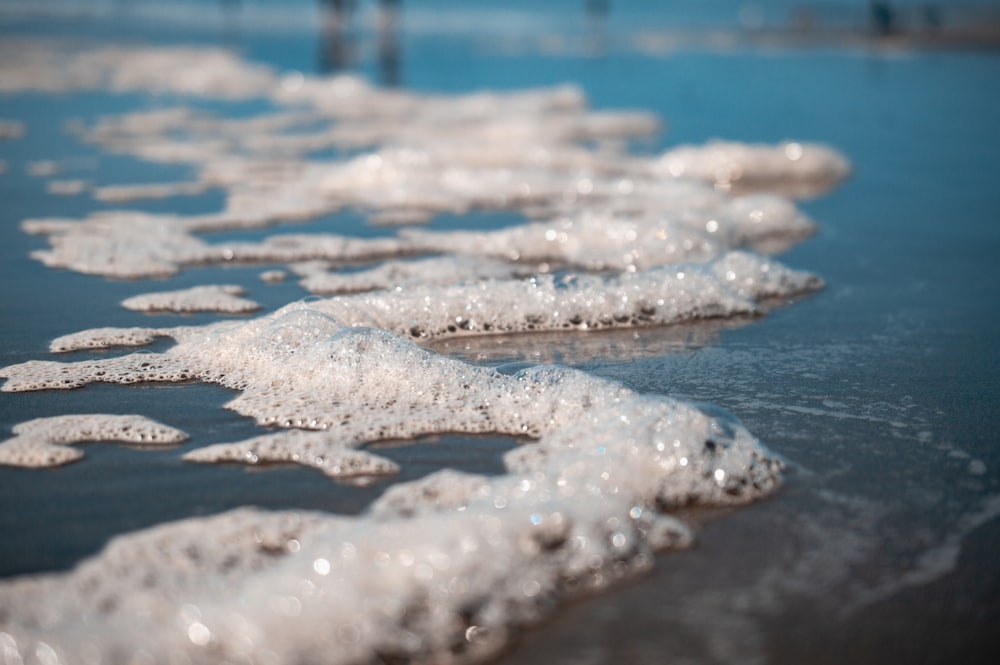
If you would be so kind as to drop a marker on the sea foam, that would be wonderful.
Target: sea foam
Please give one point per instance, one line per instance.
(443, 569)
(406, 157)
(45, 441)
(209, 298)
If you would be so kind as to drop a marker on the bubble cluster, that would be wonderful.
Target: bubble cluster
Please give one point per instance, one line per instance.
(730, 286)
(123, 193)
(55, 66)
(334, 455)
(102, 338)
(799, 169)
(408, 157)
(436, 270)
(442, 568)
(445, 568)
(67, 187)
(135, 368)
(45, 442)
(209, 298)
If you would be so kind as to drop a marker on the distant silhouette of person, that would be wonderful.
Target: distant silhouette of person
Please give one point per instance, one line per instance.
(883, 18)
(336, 43)
(388, 42)
(337, 38)
(597, 18)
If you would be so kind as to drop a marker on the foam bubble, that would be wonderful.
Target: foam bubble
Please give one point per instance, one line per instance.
(798, 168)
(681, 229)
(392, 274)
(540, 151)
(45, 442)
(331, 454)
(688, 228)
(727, 287)
(273, 276)
(43, 168)
(572, 301)
(53, 66)
(210, 298)
(445, 567)
(120, 193)
(67, 187)
(120, 244)
(102, 338)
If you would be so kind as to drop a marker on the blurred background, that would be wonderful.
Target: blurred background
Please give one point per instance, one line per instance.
(377, 35)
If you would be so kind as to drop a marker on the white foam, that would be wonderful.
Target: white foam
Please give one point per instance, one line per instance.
(333, 455)
(445, 568)
(687, 223)
(539, 151)
(45, 442)
(695, 226)
(431, 154)
(448, 565)
(67, 187)
(391, 274)
(729, 286)
(121, 193)
(791, 166)
(102, 338)
(43, 168)
(135, 368)
(120, 244)
(53, 66)
(223, 298)
(655, 297)
(273, 276)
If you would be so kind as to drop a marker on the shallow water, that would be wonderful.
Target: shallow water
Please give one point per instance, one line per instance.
(880, 390)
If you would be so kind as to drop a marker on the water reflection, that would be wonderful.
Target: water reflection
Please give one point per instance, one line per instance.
(584, 350)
